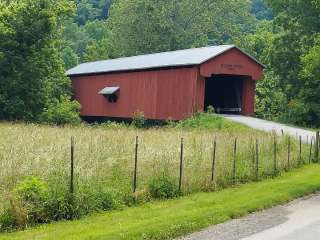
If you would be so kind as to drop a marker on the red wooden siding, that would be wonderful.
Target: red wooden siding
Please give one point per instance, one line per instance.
(248, 96)
(164, 94)
(159, 94)
(232, 62)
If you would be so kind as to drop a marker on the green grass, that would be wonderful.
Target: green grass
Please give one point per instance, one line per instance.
(168, 219)
(104, 163)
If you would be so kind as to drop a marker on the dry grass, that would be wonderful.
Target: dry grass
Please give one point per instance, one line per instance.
(106, 155)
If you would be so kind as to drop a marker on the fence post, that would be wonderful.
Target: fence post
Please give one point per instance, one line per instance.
(289, 148)
(181, 165)
(135, 165)
(310, 153)
(72, 167)
(234, 161)
(275, 154)
(213, 159)
(316, 145)
(300, 150)
(257, 159)
(253, 156)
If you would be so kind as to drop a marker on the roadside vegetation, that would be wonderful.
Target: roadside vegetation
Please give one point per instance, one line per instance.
(60, 34)
(173, 218)
(41, 39)
(35, 165)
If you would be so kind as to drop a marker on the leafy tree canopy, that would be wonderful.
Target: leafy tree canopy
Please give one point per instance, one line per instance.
(144, 26)
(261, 10)
(89, 10)
(294, 57)
(31, 69)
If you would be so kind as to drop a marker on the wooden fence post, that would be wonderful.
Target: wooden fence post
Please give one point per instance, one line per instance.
(316, 145)
(213, 160)
(252, 143)
(300, 150)
(275, 154)
(72, 167)
(235, 162)
(135, 178)
(181, 165)
(310, 152)
(257, 159)
(289, 152)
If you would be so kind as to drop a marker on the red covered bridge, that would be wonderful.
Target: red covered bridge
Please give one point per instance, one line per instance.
(169, 85)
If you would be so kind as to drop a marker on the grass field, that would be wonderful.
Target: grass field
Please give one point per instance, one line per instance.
(104, 157)
(168, 219)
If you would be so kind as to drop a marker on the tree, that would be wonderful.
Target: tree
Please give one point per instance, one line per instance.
(32, 74)
(270, 98)
(89, 10)
(261, 10)
(89, 42)
(310, 76)
(293, 48)
(145, 26)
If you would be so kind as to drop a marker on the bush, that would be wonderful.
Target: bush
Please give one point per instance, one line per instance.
(32, 193)
(60, 204)
(7, 221)
(163, 187)
(61, 112)
(113, 125)
(138, 120)
(110, 199)
(89, 199)
(208, 120)
(33, 202)
(210, 110)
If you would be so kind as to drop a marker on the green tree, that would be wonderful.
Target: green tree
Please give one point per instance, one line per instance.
(31, 67)
(145, 26)
(270, 98)
(89, 42)
(293, 47)
(310, 93)
(89, 10)
(261, 10)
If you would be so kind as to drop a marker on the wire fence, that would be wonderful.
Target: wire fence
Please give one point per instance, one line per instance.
(216, 166)
(124, 160)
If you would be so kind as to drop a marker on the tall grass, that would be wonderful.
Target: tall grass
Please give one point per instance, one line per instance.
(104, 155)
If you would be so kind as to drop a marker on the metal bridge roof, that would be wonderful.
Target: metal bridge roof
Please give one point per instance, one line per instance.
(188, 57)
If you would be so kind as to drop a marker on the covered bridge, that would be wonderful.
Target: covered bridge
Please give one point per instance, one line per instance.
(169, 85)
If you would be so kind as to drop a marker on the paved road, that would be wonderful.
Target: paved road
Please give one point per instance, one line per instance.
(269, 126)
(298, 220)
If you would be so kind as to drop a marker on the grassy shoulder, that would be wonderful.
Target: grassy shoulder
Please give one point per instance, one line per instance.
(168, 219)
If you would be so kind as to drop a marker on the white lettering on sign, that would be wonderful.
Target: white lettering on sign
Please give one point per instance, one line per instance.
(231, 66)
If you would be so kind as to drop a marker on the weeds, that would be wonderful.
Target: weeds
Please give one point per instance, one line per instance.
(104, 163)
(163, 187)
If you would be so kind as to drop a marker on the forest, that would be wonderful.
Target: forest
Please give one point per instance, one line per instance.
(41, 39)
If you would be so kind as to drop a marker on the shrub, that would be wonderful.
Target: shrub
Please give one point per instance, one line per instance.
(7, 221)
(138, 120)
(199, 120)
(110, 199)
(163, 187)
(61, 112)
(210, 110)
(112, 125)
(60, 204)
(32, 193)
